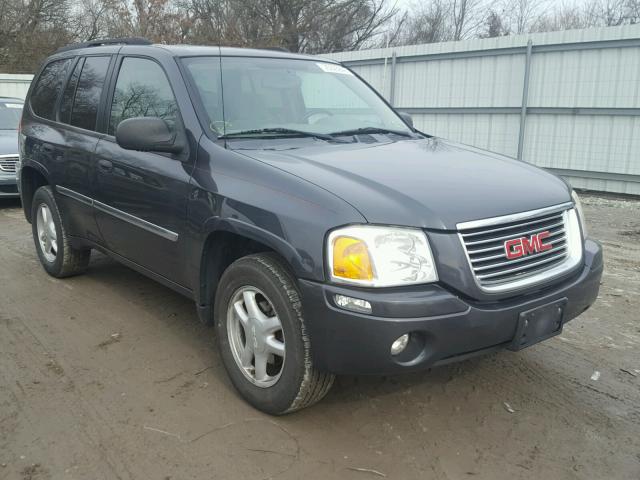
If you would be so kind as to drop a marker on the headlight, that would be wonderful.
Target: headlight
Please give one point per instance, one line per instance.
(578, 206)
(375, 256)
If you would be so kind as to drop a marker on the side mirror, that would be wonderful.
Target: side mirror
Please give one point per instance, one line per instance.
(147, 134)
(407, 118)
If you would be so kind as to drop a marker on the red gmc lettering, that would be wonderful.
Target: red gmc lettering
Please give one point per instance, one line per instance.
(513, 248)
(541, 245)
(519, 247)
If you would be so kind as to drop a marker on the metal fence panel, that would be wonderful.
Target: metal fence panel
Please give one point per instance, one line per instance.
(577, 115)
(14, 85)
(497, 132)
(467, 82)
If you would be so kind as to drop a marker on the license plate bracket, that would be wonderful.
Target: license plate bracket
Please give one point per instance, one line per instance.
(538, 324)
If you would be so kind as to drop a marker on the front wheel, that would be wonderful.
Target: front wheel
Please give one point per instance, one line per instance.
(262, 337)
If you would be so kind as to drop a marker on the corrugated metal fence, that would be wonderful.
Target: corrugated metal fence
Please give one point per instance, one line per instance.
(567, 101)
(15, 86)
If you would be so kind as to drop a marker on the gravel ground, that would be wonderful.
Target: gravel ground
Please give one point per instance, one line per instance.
(110, 376)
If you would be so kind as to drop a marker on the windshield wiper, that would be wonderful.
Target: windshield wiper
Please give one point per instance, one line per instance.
(369, 130)
(279, 130)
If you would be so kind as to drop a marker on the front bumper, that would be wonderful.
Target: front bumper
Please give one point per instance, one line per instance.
(445, 327)
(8, 186)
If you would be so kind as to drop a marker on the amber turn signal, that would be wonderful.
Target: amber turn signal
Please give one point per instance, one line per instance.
(351, 259)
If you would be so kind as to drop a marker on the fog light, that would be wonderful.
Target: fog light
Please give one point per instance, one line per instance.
(400, 344)
(354, 304)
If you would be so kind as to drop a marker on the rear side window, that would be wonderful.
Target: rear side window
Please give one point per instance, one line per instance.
(84, 112)
(142, 90)
(69, 93)
(47, 90)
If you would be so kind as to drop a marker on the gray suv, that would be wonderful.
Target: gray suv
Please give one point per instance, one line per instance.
(311, 223)
(10, 113)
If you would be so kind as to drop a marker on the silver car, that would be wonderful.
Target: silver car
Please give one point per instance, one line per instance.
(10, 113)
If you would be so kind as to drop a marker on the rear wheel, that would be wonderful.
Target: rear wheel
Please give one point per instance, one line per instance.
(56, 254)
(262, 337)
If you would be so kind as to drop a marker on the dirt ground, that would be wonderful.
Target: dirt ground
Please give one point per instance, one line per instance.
(110, 376)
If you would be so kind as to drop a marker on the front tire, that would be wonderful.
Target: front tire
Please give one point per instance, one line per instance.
(55, 252)
(262, 337)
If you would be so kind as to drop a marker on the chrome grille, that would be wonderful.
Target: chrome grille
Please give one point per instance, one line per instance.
(8, 164)
(484, 243)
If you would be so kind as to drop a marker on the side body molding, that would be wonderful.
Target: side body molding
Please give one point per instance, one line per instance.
(124, 216)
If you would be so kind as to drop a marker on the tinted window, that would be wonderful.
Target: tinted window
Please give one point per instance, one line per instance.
(315, 97)
(87, 99)
(46, 92)
(69, 93)
(142, 90)
(205, 74)
(10, 115)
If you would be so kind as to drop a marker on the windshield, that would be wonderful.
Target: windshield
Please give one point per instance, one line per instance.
(296, 95)
(10, 113)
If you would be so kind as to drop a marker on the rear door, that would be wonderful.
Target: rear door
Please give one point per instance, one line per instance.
(78, 116)
(141, 197)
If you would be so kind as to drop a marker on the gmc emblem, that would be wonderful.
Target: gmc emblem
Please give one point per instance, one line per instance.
(519, 247)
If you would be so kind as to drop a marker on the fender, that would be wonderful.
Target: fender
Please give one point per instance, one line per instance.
(300, 266)
(42, 170)
(253, 232)
(36, 166)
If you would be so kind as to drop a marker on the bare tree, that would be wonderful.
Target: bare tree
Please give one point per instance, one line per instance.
(495, 26)
(31, 30)
(610, 12)
(437, 21)
(596, 13)
(523, 15)
(465, 18)
(633, 11)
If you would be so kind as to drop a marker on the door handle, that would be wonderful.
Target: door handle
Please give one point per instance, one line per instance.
(105, 165)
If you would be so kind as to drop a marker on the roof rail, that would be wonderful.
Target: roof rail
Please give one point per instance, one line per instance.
(106, 41)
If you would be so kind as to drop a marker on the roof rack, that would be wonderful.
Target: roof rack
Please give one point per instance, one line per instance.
(106, 41)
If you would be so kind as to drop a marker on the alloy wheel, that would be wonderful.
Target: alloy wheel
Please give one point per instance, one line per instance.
(255, 336)
(47, 236)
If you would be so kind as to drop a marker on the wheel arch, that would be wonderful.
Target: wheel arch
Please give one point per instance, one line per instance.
(228, 240)
(32, 177)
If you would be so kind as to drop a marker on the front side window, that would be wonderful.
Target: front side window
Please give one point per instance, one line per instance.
(10, 113)
(205, 74)
(142, 90)
(303, 95)
(47, 90)
(84, 112)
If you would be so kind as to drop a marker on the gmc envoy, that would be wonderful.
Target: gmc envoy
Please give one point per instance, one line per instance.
(311, 223)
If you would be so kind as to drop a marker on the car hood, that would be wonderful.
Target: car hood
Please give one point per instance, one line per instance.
(8, 142)
(429, 183)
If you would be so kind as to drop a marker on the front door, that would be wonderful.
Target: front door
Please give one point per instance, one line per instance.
(141, 197)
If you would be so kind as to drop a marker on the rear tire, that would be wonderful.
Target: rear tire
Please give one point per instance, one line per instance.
(258, 315)
(55, 252)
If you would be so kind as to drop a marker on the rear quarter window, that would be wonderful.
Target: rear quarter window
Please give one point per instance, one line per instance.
(48, 87)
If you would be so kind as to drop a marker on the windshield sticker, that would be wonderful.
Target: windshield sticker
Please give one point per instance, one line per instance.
(13, 105)
(333, 68)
